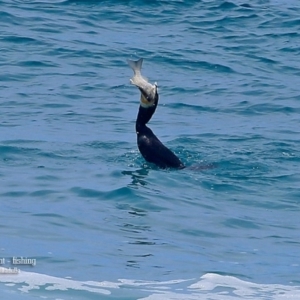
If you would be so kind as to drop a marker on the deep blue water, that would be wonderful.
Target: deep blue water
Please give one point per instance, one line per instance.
(77, 196)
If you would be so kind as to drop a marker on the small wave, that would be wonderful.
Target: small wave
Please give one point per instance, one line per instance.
(35, 63)
(211, 286)
(19, 39)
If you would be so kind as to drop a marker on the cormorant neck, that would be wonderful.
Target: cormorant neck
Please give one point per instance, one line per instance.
(144, 115)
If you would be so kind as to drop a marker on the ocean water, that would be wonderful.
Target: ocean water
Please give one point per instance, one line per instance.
(78, 199)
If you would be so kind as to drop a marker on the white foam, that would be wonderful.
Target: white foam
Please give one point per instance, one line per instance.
(220, 287)
(31, 281)
(209, 286)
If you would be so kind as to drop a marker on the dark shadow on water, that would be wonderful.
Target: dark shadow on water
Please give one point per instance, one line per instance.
(137, 176)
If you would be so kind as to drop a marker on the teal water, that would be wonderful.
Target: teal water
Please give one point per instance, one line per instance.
(77, 196)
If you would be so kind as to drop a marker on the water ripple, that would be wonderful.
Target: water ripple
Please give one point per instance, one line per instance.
(75, 191)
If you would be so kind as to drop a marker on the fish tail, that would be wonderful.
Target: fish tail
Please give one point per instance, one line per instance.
(136, 66)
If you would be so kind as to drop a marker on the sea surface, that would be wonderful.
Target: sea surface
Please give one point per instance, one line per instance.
(83, 216)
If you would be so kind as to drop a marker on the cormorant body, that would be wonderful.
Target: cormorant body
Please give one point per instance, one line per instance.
(149, 145)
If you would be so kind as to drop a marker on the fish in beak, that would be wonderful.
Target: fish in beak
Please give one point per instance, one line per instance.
(149, 91)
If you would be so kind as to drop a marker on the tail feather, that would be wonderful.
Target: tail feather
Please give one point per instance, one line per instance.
(136, 66)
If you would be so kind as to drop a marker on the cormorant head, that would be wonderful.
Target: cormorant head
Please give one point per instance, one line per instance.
(149, 97)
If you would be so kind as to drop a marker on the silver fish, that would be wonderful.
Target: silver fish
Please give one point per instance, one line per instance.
(149, 92)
